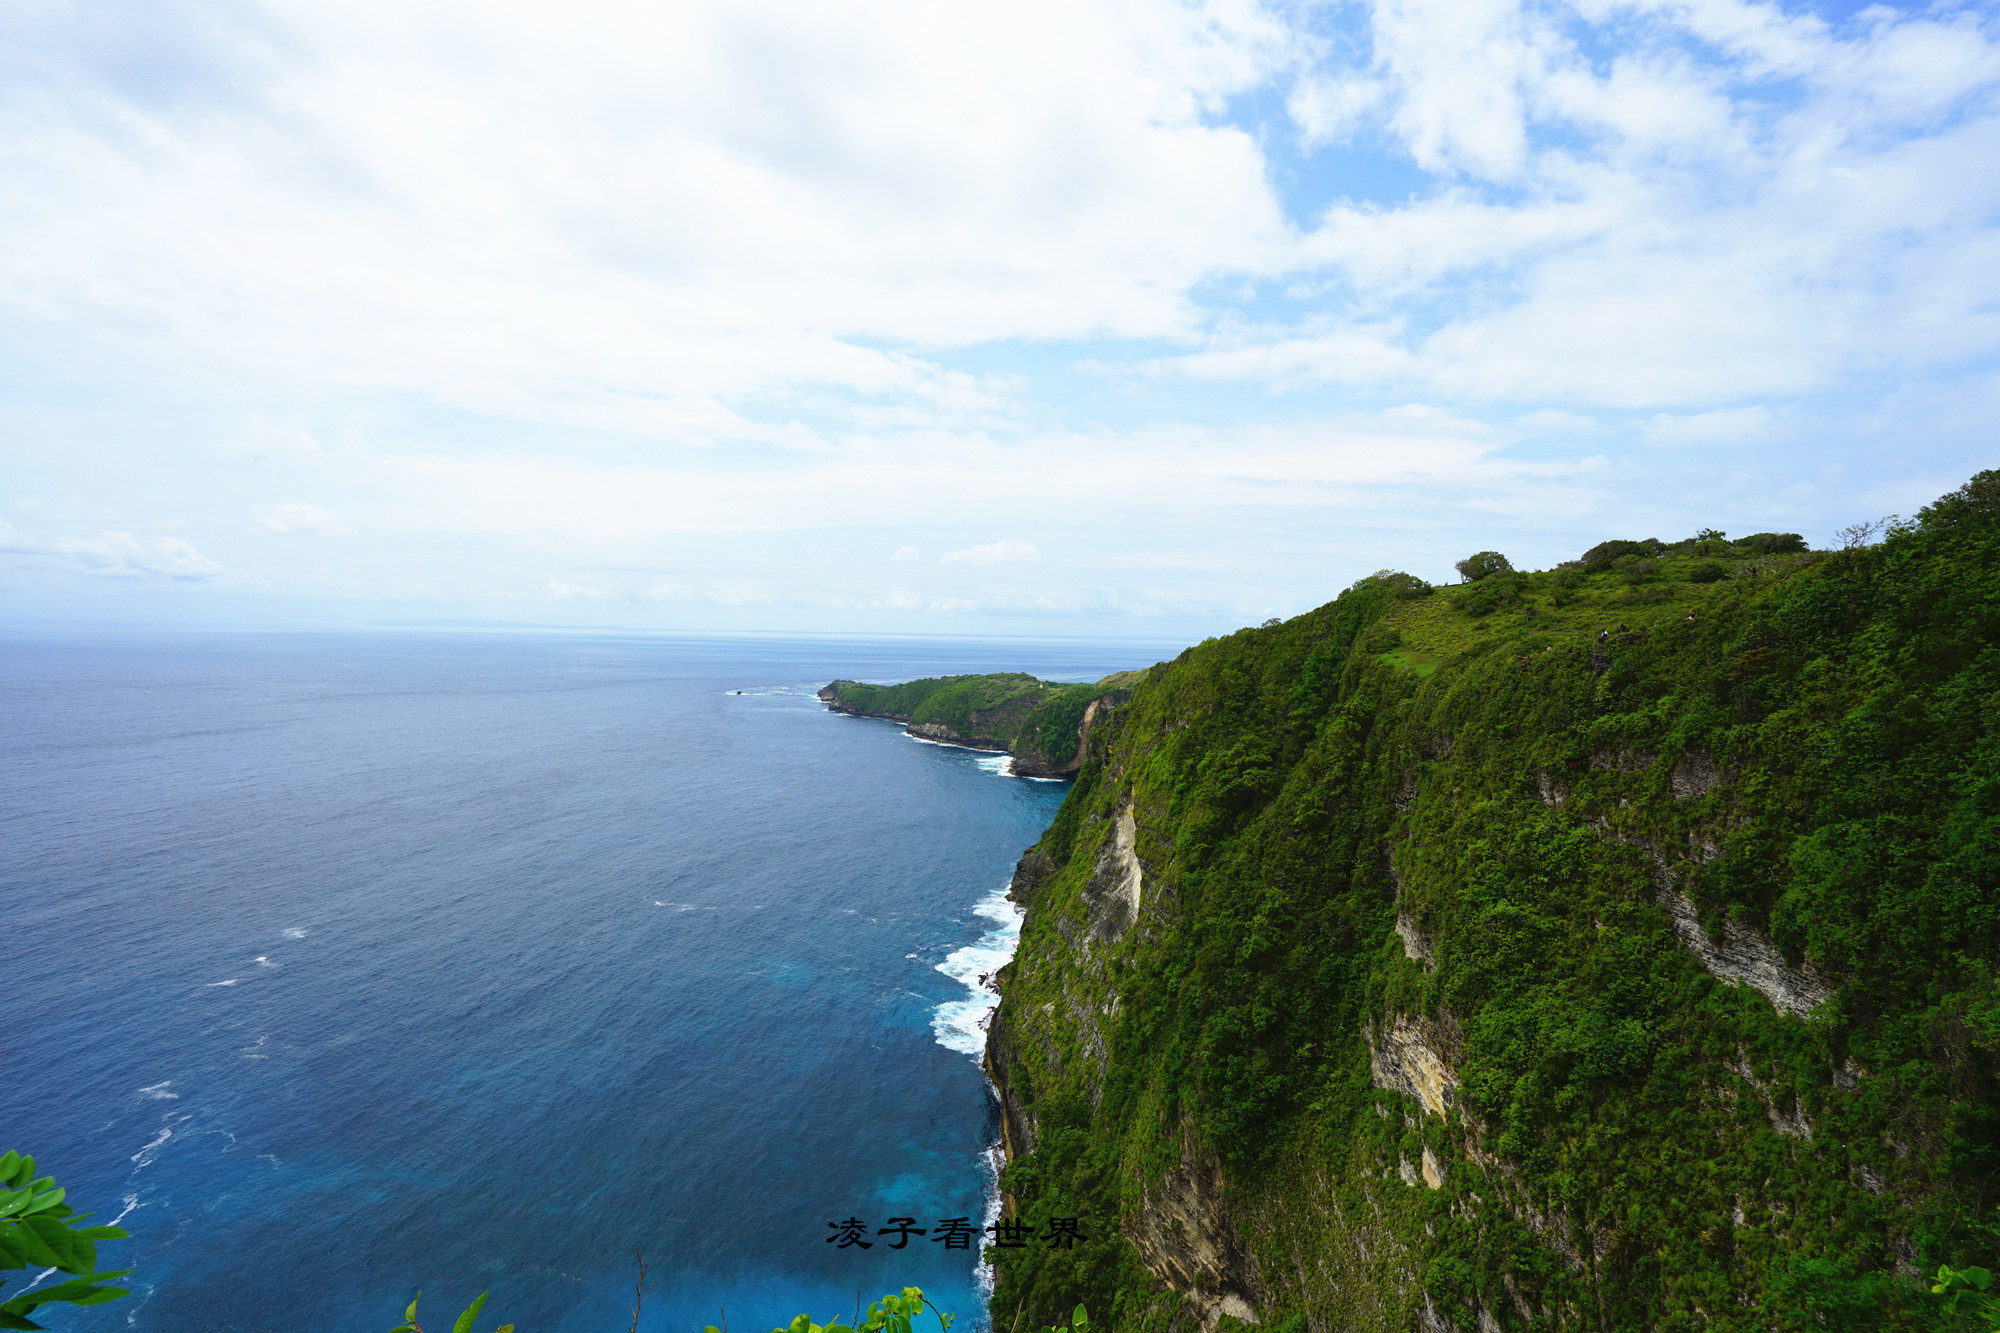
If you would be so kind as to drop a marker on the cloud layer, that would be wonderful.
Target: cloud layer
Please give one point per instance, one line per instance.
(1136, 309)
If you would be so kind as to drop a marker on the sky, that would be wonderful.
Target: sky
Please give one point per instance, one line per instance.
(1149, 318)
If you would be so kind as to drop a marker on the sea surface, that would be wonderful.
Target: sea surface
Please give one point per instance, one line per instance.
(344, 966)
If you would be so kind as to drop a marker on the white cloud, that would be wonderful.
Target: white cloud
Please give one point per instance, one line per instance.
(1736, 425)
(110, 553)
(300, 518)
(706, 306)
(995, 553)
(628, 217)
(1460, 66)
(1328, 109)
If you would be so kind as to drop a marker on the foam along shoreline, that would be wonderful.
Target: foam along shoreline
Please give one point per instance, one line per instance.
(993, 761)
(960, 1025)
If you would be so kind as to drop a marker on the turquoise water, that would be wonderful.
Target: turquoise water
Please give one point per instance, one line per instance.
(347, 965)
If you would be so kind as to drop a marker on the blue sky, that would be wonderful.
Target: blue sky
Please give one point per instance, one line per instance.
(1141, 318)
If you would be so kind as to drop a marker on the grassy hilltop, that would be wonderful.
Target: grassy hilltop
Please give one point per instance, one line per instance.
(1606, 947)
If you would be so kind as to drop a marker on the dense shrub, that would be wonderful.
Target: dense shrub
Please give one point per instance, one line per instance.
(1772, 543)
(1606, 554)
(1636, 570)
(1483, 564)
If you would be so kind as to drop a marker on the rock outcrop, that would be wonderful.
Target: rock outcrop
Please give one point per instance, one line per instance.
(1185, 1237)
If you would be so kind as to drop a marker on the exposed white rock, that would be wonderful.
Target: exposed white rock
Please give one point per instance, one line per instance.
(1116, 884)
(1416, 945)
(1695, 774)
(1185, 1238)
(1433, 1173)
(1747, 958)
(1410, 1058)
(1235, 1307)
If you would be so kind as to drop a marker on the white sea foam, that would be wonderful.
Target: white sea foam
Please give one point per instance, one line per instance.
(158, 1092)
(993, 756)
(231, 982)
(295, 932)
(960, 1025)
(140, 1156)
(990, 1163)
(264, 960)
(999, 764)
(131, 1202)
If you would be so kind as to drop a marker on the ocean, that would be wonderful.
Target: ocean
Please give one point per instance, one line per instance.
(341, 966)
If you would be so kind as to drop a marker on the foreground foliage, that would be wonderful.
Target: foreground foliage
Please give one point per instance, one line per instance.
(39, 1231)
(1957, 1284)
(893, 1313)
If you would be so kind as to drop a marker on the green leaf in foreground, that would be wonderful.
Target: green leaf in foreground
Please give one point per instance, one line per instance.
(38, 1230)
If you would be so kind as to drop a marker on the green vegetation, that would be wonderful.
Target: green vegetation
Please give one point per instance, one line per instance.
(39, 1231)
(892, 1314)
(462, 1325)
(951, 700)
(1039, 721)
(1955, 1285)
(1614, 946)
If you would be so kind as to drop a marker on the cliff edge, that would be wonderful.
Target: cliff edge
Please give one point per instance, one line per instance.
(1606, 947)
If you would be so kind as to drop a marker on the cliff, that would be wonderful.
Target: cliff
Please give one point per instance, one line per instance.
(1042, 724)
(1608, 947)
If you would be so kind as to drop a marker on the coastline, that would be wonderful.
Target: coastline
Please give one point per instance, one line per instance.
(1020, 720)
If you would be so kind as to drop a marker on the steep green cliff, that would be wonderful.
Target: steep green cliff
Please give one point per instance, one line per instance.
(1041, 723)
(1609, 947)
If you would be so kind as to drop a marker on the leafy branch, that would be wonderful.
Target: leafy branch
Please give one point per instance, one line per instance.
(1968, 1287)
(38, 1230)
(892, 1314)
(464, 1324)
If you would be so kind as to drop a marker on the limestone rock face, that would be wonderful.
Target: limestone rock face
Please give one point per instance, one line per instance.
(1747, 958)
(1029, 874)
(1417, 1057)
(1017, 1121)
(1114, 889)
(1187, 1240)
(1417, 946)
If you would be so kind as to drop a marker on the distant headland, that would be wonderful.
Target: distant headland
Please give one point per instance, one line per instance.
(1044, 725)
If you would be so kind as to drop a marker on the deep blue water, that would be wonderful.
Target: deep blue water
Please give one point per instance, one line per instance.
(344, 965)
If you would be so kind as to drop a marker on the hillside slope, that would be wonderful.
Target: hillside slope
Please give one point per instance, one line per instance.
(1611, 947)
(1043, 724)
